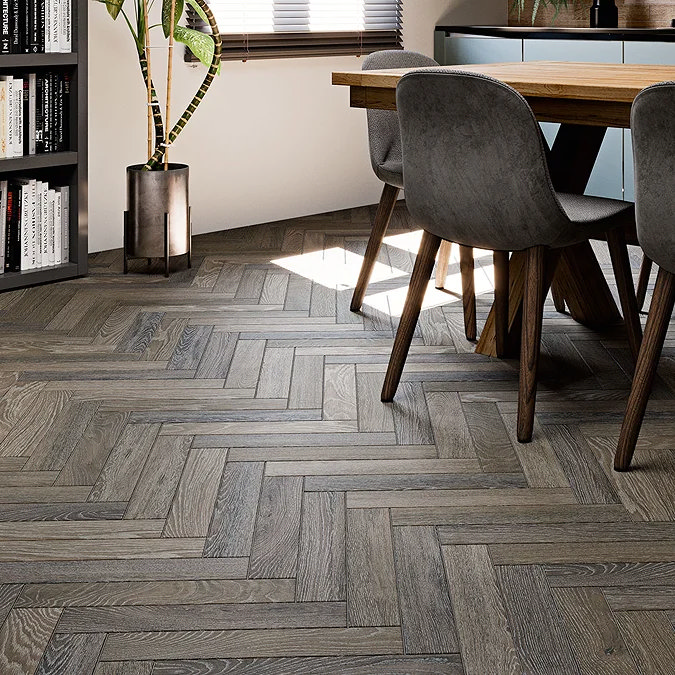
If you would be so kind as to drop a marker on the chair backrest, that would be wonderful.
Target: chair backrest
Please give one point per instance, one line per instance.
(653, 126)
(474, 163)
(384, 137)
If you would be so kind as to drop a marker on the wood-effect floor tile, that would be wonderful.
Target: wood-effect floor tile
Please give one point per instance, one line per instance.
(197, 475)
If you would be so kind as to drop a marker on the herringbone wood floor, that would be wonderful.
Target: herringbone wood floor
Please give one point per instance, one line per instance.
(197, 476)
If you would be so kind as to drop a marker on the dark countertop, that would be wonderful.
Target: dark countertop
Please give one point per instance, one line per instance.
(547, 33)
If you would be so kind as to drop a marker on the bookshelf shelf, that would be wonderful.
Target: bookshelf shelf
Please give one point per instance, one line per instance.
(12, 280)
(58, 168)
(44, 161)
(37, 60)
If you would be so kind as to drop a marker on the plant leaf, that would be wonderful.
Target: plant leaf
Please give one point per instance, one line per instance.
(200, 44)
(113, 6)
(199, 11)
(166, 15)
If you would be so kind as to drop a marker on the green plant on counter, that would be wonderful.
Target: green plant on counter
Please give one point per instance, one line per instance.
(519, 6)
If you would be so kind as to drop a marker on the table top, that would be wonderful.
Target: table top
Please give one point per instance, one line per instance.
(547, 79)
(665, 34)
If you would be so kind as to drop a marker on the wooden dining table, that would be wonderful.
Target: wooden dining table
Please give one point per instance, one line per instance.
(586, 98)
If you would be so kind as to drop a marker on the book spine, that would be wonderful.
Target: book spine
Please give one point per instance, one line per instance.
(47, 113)
(65, 38)
(18, 116)
(65, 223)
(36, 257)
(59, 142)
(53, 83)
(3, 118)
(3, 223)
(51, 226)
(44, 205)
(32, 222)
(16, 26)
(39, 114)
(57, 227)
(65, 111)
(14, 229)
(47, 22)
(10, 237)
(25, 229)
(55, 28)
(33, 26)
(5, 32)
(9, 112)
(30, 105)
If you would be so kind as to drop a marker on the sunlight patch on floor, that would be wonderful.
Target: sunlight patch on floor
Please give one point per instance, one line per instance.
(391, 302)
(338, 268)
(335, 268)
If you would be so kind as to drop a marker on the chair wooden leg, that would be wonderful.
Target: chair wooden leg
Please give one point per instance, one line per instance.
(643, 282)
(468, 291)
(419, 280)
(380, 224)
(533, 314)
(442, 263)
(501, 266)
(616, 240)
(655, 333)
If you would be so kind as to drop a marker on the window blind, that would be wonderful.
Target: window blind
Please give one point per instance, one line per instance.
(292, 28)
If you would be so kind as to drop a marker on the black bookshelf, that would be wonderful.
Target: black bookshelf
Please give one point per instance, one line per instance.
(60, 168)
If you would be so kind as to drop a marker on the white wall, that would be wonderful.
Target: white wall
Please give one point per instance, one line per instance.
(284, 141)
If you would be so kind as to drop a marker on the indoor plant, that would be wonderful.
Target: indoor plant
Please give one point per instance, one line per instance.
(157, 216)
(557, 5)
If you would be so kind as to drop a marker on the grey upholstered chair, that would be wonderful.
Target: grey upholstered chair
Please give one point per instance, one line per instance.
(653, 127)
(501, 199)
(384, 139)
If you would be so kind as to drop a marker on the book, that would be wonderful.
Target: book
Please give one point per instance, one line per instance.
(35, 8)
(17, 26)
(39, 114)
(12, 226)
(65, 222)
(52, 103)
(8, 148)
(3, 118)
(65, 34)
(47, 27)
(65, 111)
(59, 99)
(27, 222)
(57, 227)
(36, 255)
(3, 223)
(51, 227)
(31, 109)
(18, 117)
(5, 31)
(54, 24)
(46, 112)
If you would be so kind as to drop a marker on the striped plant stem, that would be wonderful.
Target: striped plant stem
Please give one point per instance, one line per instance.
(156, 159)
(156, 110)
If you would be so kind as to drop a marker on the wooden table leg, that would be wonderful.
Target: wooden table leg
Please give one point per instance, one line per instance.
(579, 279)
(488, 343)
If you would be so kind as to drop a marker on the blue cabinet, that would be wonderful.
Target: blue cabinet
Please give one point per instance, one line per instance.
(455, 50)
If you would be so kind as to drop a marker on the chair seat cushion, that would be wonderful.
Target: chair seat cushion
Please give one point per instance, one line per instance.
(593, 216)
(390, 171)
